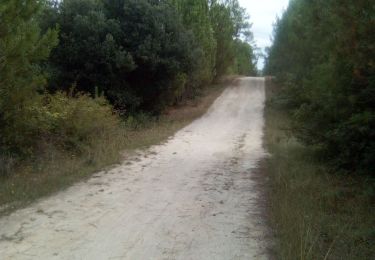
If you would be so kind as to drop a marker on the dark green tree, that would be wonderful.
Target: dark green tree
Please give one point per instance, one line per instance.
(89, 55)
(137, 52)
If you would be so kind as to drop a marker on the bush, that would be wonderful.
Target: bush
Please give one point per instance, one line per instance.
(71, 123)
(75, 121)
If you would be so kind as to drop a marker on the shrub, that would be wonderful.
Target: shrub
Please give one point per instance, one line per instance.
(76, 121)
(71, 123)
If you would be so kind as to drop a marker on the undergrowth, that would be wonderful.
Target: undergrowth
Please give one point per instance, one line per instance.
(315, 212)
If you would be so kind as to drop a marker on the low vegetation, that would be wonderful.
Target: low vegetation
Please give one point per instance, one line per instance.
(314, 212)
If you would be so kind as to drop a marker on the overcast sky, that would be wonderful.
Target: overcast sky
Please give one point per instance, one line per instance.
(262, 15)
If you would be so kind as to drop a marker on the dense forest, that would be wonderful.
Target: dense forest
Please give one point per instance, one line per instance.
(71, 71)
(323, 57)
(320, 130)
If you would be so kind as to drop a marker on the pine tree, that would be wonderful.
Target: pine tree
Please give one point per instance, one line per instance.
(22, 47)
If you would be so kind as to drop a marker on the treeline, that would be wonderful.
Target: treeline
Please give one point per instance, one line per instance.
(70, 68)
(323, 57)
(145, 55)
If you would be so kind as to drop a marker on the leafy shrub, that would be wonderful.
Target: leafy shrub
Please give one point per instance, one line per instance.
(76, 121)
(69, 122)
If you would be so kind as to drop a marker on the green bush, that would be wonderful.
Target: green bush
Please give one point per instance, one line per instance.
(71, 123)
(76, 121)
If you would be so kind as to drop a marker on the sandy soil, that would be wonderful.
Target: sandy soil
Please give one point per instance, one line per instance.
(191, 198)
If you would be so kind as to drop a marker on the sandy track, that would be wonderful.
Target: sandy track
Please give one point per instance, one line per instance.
(192, 198)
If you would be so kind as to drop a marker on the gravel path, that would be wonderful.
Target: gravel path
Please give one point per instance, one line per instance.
(193, 197)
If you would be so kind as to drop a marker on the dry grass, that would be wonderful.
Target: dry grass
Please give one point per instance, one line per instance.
(316, 214)
(56, 170)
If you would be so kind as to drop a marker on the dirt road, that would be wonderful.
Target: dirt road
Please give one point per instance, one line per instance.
(193, 197)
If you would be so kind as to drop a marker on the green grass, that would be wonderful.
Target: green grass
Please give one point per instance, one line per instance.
(314, 212)
(54, 170)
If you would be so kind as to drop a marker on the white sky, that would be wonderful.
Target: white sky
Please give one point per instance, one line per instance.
(262, 15)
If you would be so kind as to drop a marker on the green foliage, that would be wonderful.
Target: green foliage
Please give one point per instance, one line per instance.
(140, 55)
(230, 23)
(132, 50)
(74, 122)
(90, 52)
(162, 49)
(29, 118)
(224, 32)
(22, 47)
(315, 214)
(136, 51)
(245, 60)
(196, 17)
(68, 122)
(323, 56)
